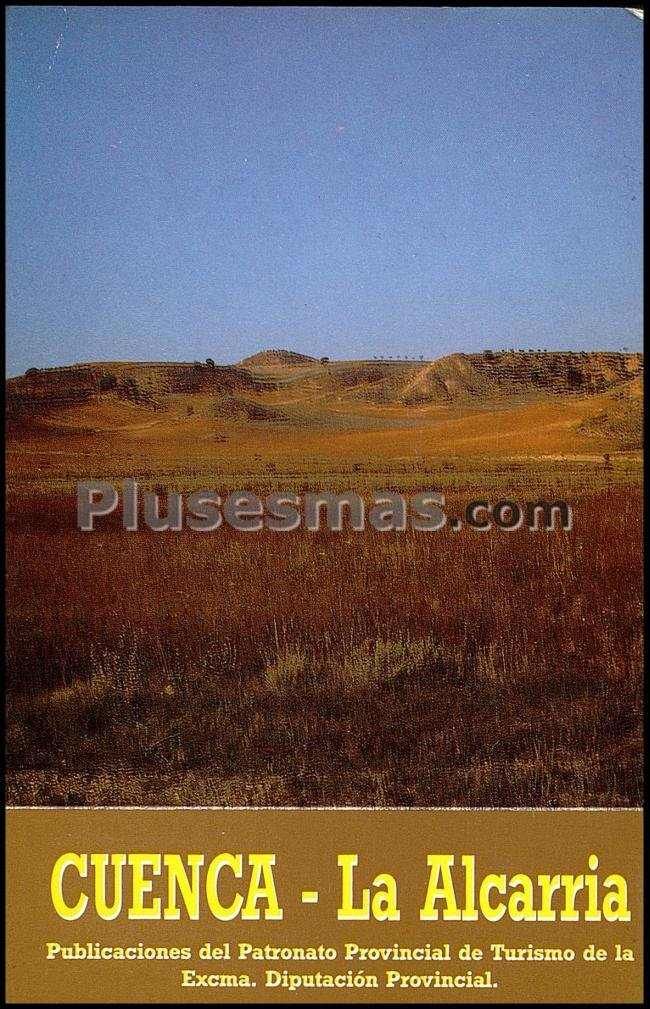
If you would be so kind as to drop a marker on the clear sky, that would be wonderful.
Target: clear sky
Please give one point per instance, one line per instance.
(198, 182)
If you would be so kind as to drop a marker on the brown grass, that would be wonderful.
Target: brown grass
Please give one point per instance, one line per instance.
(326, 669)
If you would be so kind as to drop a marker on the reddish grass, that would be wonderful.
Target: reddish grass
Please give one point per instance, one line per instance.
(403, 669)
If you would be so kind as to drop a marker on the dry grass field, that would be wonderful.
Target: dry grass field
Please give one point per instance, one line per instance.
(327, 668)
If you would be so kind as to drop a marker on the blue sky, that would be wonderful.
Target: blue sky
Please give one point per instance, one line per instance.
(198, 182)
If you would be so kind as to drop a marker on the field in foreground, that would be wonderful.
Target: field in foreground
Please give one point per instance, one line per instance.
(328, 669)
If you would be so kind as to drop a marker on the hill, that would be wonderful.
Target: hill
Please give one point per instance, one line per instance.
(278, 402)
(277, 359)
(456, 379)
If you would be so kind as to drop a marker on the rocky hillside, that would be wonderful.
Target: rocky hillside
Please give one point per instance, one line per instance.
(43, 390)
(515, 373)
